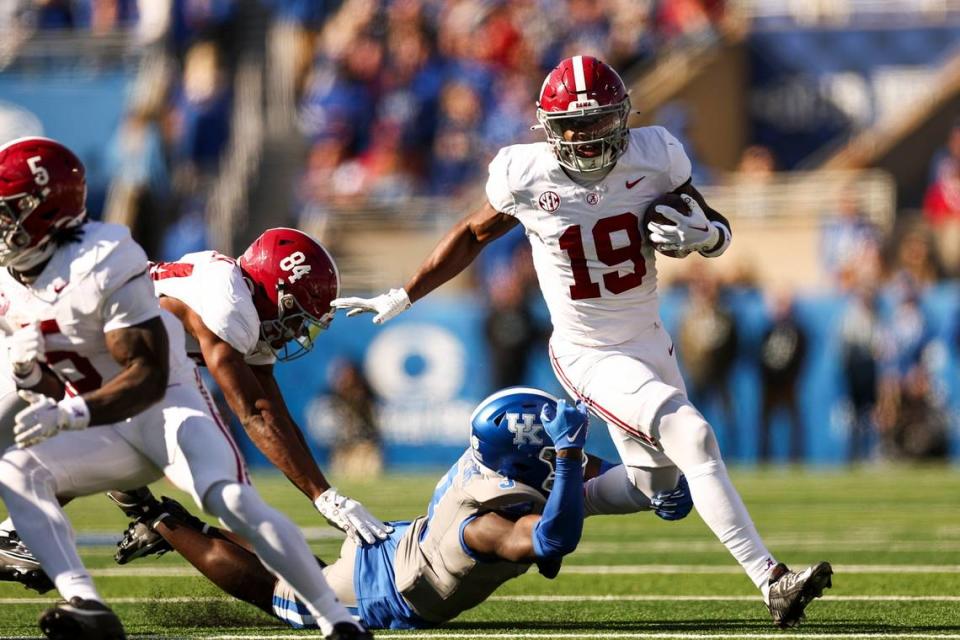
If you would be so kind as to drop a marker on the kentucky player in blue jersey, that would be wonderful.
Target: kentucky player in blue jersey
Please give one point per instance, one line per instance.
(517, 497)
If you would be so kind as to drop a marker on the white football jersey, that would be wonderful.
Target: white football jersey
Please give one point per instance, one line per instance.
(213, 286)
(596, 269)
(88, 288)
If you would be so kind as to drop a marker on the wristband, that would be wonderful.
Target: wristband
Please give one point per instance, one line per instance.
(31, 379)
(76, 413)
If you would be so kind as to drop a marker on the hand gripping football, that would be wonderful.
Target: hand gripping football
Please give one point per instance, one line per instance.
(672, 200)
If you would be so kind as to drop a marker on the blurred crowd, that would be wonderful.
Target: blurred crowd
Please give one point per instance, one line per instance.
(413, 97)
(403, 98)
(394, 98)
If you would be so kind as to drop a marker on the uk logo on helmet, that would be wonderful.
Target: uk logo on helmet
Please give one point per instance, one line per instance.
(549, 201)
(526, 432)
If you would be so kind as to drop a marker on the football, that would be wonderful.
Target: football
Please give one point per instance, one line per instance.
(652, 215)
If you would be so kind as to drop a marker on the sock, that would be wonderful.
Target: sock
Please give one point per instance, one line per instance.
(721, 508)
(7, 526)
(280, 546)
(77, 584)
(689, 441)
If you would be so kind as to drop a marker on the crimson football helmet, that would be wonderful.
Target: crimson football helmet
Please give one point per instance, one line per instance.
(43, 190)
(294, 281)
(587, 98)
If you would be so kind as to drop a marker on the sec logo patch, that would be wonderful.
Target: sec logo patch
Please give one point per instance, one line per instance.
(549, 201)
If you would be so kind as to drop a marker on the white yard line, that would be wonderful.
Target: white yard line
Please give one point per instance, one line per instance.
(611, 635)
(671, 569)
(530, 598)
(708, 546)
(620, 634)
(869, 540)
(145, 572)
(634, 597)
(603, 569)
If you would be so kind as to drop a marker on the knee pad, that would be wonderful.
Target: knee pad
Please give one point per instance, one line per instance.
(687, 438)
(240, 508)
(22, 474)
(224, 498)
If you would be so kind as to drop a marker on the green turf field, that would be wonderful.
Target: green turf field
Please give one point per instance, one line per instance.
(893, 535)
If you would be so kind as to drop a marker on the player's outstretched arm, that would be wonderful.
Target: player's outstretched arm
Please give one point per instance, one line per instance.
(345, 513)
(557, 531)
(454, 253)
(262, 418)
(256, 400)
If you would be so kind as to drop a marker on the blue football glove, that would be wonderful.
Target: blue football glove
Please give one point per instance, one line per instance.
(566, 425)
(674, 504)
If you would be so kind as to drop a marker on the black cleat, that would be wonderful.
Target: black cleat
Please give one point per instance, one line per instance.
(792, 591)
(17, 564)
(140, 540)
(349, 631)
(81, 619)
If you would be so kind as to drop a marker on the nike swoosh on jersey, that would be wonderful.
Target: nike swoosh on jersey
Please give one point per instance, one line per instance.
(632, 184)
(670, 350)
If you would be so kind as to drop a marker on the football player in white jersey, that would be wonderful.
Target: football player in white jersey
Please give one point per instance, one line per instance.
(581, 196)
(239, 321)
(89, 346)
(240, 317)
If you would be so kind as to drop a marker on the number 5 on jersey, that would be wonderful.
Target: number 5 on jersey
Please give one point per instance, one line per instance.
(571, 242)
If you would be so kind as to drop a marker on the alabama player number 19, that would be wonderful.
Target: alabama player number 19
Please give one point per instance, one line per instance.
(571, 241)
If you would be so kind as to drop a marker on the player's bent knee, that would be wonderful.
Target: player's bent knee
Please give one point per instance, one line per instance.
(239, 507)
(21, 473)
(646, 482)
(223, 499)
(686, 436)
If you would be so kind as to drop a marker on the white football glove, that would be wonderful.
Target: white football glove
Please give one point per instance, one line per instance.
(25, 353)
(386, 306)
(687, 233)
(351, 517)
(45, 418)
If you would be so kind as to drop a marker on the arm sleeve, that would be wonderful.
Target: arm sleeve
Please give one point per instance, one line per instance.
(561, 524)
(498, 185)
(132, 303)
